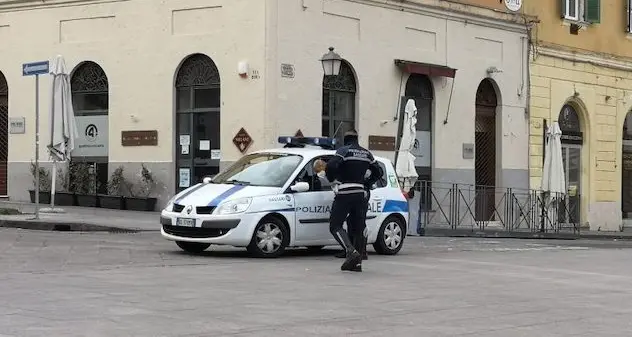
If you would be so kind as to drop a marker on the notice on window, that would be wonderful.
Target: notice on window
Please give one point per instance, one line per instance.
(205, 145)
(185, 177)
(185, 140)
(216, 154)
(185, 149)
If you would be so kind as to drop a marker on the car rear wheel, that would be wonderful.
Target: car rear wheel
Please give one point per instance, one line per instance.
(193, 247)
(390, 237)
(270, 238)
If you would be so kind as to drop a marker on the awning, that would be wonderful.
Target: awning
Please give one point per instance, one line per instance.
(425, 68)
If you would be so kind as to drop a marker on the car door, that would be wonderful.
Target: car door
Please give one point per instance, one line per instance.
(377, 200)
(313, 208)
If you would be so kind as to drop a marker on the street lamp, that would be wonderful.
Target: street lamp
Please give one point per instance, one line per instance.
(331, 63)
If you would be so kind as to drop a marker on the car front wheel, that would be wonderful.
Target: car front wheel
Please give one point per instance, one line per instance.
(390, 237)
(270, 238)
(193, 247)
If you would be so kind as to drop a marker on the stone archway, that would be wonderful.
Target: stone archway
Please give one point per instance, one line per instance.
(485, 165)
(197, 138)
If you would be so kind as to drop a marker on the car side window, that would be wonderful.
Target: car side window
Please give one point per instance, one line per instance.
(382, 182)
(315, 182)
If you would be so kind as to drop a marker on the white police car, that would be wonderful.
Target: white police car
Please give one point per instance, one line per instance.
(269, 200)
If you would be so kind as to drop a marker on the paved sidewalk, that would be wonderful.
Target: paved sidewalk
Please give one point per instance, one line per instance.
(91, 219)
(79, 219)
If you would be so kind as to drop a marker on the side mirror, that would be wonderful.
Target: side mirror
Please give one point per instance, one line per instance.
(300, 187)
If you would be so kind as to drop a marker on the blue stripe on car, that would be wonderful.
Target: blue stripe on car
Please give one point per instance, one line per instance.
(189, 193)
(225, 195)
(395, 206)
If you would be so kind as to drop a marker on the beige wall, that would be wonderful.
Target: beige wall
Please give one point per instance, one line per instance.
(370, 36)
(139, 44)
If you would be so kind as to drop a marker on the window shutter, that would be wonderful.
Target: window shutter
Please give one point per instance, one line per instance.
(593, 11)
(563, 11)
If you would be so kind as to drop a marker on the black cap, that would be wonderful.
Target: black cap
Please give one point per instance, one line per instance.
(351, 133)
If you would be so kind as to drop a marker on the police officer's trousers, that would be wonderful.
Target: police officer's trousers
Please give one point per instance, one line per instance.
(351, 207)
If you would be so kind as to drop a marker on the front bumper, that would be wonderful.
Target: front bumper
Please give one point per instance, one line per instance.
(222, 230)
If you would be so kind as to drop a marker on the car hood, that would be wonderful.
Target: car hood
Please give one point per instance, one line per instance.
(214, 194)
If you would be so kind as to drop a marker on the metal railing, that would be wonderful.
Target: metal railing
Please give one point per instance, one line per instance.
(455, 206)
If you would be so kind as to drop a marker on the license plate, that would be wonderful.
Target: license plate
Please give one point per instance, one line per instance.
(185, 222)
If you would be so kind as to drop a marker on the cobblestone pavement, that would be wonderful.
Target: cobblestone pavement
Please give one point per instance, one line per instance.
(73, 284)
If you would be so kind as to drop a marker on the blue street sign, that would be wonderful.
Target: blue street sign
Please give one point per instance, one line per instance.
(35, 68)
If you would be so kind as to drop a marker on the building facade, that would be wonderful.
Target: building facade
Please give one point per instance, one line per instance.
(182, 86)
(581, 76)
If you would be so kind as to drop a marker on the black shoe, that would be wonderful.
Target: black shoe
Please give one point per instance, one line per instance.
(357, 268)
(352, 261)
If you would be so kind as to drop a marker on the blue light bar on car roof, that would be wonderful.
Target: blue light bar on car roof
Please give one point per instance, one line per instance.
(302, 141)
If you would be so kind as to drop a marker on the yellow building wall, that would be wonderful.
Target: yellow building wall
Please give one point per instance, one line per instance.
(607, 37)
(603, 100)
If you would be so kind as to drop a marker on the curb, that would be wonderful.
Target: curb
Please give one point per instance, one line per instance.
(437, 232)
(64, 226)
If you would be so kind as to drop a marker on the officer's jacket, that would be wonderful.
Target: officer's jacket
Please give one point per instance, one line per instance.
(348, 167)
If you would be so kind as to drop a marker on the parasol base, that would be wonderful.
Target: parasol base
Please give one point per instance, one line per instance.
(52, 210)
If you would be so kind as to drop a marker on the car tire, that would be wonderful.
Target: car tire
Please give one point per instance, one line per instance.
(193, 247)
(270, 238)
(390, 237)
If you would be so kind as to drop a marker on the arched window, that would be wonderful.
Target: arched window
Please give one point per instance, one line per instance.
(339, 102)
(198, 102)
(90, 99)
(569, 119)
(90, 90)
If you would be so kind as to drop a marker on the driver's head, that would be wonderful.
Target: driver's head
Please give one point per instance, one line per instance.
(319, 165)
(351, 137)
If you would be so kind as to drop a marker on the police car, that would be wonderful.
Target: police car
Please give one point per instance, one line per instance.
(271, 199)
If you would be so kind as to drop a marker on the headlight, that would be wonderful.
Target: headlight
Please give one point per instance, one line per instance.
(234, 206)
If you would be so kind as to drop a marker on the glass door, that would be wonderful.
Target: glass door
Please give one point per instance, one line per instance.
(198, 135)
(570, 209)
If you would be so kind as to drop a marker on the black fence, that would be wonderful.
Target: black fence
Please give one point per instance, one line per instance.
(462, 208)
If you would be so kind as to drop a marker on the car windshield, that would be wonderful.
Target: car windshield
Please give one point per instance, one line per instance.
(260, 169)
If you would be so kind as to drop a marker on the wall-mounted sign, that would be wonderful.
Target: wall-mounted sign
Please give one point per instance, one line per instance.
(139, 138)
(17, 125)
(242, 140)
(513, 5)
(422, 147)
(287, 70)
(572, 137)
(92, 140)
(381, 143)
(468, 151)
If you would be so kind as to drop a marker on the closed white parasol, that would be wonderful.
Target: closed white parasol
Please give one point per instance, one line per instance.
(553, 178)
(63, 129)
(405, 162)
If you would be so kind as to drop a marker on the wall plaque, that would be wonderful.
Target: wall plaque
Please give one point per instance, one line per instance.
(381, 143)
(139, 138)
(287, 70)
(17, 125)
(242, 140)
(468, 151)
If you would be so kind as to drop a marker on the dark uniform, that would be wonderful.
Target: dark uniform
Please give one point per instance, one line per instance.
(348, 167)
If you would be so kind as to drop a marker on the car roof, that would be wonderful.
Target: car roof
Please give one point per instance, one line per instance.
(310, 151)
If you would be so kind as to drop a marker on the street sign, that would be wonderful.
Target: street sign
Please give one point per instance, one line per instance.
(35, 68)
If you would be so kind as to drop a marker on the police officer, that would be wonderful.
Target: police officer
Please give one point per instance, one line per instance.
(348, 168)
